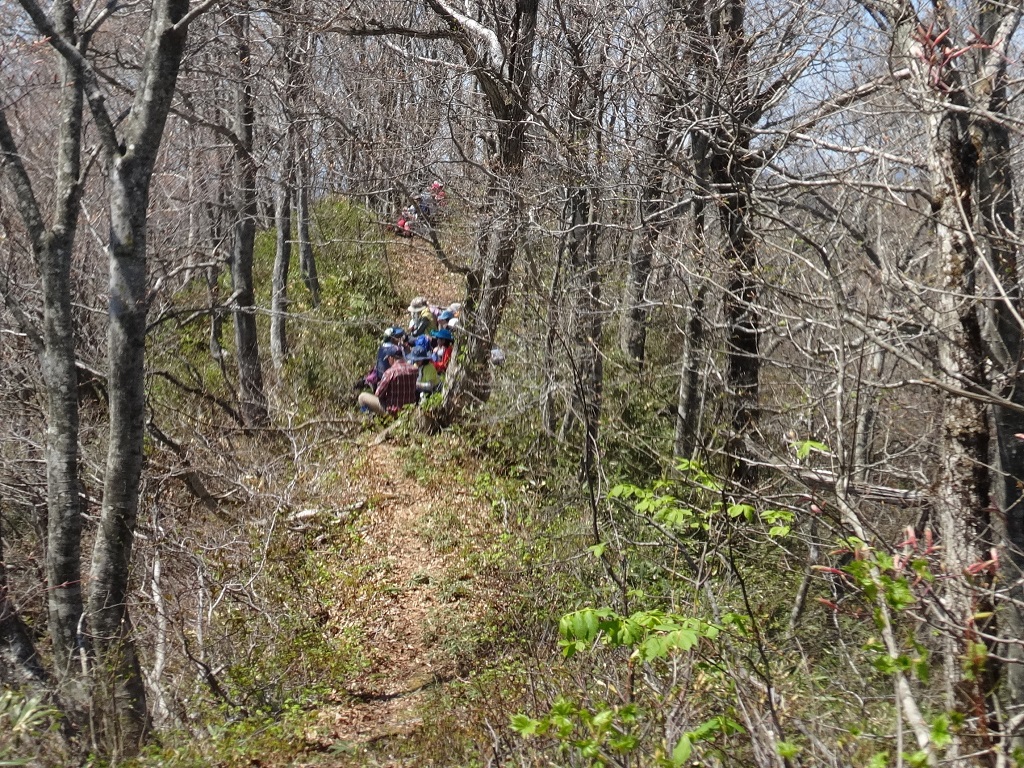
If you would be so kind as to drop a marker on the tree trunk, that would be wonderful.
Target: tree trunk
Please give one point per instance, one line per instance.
(64, 505)
(307, 260)
(118, 675)
(633, 334)
(52, 249)
(119, 691)
(549, 387)
(19, 664)
(687, 408)
(251, 395)
(487, 283)
(724, 154)
(742, 317)
(212, 274)
(962, 497)
(282, 263)
(469, 382)
(1002, 334)
(866, 411)
(584, 256)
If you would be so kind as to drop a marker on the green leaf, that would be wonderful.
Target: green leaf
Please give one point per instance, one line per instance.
(804, 448)
(898, 594)
(525, 726)
(787, 749)
(922, 570)
(974, 660)
(683, 639)
(623, 744)
(682, 752)
(598, 549)
(654, 647)
(735, 510)
(562, 708)
(779, 530)
(602, 719)
(772, 516)
(940, 731)
(879, 760)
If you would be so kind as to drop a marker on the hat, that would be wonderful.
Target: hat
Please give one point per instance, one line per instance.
(446, 315)
(418, 303)
(455, 307)
(418, 355)
(442, 333)
(394, 331)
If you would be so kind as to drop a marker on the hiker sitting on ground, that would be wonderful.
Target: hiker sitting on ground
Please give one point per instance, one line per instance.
(424, 343)
(422, 320)
(442, 355)
(444, 318)
(394, 337)
(429, 380)
(397, 388)
(456, 309)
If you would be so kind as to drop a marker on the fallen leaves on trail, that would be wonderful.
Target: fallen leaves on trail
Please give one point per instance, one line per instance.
(392, 601)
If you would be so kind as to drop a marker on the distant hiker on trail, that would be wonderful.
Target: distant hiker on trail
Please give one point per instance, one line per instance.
(422, 343)
(393, 337)
(429, 203)
(421, 319)
(442, 355)
(426, 208)
(397, 388)
(429, 380)
(406, 222)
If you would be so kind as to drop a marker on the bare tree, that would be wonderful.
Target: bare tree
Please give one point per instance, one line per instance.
(129, 148)
(52, 246)
(251, 394)
(285, 187)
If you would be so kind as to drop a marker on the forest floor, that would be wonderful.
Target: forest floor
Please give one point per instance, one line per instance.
(414, 270)
(416, 590)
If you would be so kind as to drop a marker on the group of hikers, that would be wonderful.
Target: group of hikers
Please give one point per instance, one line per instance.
(411, 362)
(424, 211)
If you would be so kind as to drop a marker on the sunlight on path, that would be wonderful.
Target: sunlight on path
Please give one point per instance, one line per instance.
(394, 606)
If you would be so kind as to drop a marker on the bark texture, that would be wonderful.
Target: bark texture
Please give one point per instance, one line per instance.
(251, 393)
(118, 682)
(506, 86)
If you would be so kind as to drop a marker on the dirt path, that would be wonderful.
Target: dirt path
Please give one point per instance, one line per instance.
(406, 560)
(416, 271)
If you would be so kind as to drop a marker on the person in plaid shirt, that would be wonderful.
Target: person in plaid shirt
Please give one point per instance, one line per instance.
(397, 388)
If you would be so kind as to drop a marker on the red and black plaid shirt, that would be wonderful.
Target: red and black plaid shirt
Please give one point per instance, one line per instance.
(398, 386)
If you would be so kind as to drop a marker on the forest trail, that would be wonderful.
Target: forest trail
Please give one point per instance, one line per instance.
(414, 270)
(410, 579)
(403, 564)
